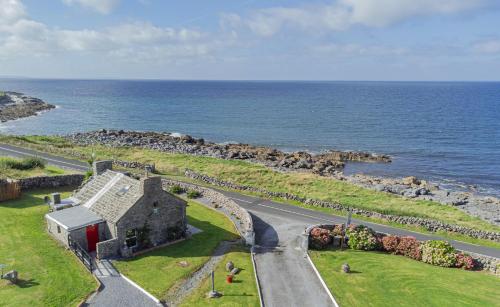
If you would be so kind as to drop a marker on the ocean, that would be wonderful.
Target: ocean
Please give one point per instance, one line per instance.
(448, 132)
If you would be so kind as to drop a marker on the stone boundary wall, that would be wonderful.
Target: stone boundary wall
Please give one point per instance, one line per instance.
(245, 226)
(50, 181)
(428, 224)
(108, 248)
(486, 263)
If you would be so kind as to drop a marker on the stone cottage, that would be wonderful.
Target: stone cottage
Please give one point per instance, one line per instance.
(116, 215)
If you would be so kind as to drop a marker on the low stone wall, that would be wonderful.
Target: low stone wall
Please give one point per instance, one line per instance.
(218, 199)
(484, 262)
(51, 181)
(428, 224)
(106, 249)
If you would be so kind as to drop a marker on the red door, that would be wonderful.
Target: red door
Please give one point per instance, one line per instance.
(92, 237)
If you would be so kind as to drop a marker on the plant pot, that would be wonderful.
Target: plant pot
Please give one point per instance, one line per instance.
(229, 279)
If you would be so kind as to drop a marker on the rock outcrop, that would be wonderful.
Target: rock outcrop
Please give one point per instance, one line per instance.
(16, 105)
(328, 163)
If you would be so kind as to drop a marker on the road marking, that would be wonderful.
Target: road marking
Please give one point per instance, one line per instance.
(80, 167)
(296, 213)
(245, 201)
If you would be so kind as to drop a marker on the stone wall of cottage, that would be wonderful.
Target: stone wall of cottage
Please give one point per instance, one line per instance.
(41, 182)
(169, 212)
(108, 248)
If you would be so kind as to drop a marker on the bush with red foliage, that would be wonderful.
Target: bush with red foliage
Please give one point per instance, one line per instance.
(390, 243)
(320, 238)
(409, 247)
(465, 261)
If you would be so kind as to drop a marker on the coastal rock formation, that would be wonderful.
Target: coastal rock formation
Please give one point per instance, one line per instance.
(16, 105)
(484, 207)
(327, 164)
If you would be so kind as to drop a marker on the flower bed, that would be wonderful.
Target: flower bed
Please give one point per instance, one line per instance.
(360, 237)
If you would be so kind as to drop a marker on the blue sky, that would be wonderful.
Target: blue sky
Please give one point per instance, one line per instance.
(229, 39)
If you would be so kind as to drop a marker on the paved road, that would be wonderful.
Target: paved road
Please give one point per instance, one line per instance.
(18, 152)
(289, 213)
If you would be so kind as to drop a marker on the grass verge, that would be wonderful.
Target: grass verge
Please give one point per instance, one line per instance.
(380, 279)
(49, 274)
(160, 270)
(242, 292)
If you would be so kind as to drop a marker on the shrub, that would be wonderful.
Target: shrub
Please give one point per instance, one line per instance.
(88, 174)
(193, 194)
(176, 189)
(320, 238)
(338, 230)
(361, 237)
(465, 261)
(390, 243)
(24, 164)
(34, 162)
(409, 247)
(439, 253)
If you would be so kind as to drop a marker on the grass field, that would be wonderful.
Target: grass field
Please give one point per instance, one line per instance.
(160, 270)
(380, 279)
(241, 293)
(241, 172)
(13, 173)
(50, 275)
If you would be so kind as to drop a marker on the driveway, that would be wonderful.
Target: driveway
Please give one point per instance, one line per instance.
(116, 290)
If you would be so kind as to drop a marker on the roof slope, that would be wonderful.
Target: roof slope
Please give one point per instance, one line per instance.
(110, 195)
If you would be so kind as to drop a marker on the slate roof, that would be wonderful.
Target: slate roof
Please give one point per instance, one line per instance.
(75, 217)
(110, 195)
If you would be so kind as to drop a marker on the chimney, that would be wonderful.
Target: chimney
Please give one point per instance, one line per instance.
(100, 167)
(56, 198)
(151, 185)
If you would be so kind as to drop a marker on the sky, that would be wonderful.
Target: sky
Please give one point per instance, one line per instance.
(251, 39)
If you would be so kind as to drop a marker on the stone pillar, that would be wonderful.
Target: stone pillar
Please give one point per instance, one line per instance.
(100, 167)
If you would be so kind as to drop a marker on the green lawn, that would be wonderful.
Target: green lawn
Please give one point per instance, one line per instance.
(241, 172)
(7, 172)
(50, 275)
(160, 270)
(242, 292)
(380, 279)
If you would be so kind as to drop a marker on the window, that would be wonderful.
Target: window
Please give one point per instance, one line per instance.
(131, 238)
(58, 229)
(155, 207)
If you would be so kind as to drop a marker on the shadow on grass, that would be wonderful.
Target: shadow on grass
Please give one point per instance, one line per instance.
(23, 283)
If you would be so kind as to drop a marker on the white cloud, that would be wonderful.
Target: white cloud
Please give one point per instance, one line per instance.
(343, 14)
(101, 6)
(11, 10)
(21, 35)
(487, 47)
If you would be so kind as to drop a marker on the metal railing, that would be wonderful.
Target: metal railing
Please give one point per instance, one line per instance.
(81, 254)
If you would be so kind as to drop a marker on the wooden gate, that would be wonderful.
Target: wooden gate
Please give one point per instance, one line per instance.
(9, 189)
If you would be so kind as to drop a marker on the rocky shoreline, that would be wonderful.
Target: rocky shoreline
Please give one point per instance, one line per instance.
(329, 164)
(15, 105)
(326, 164)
